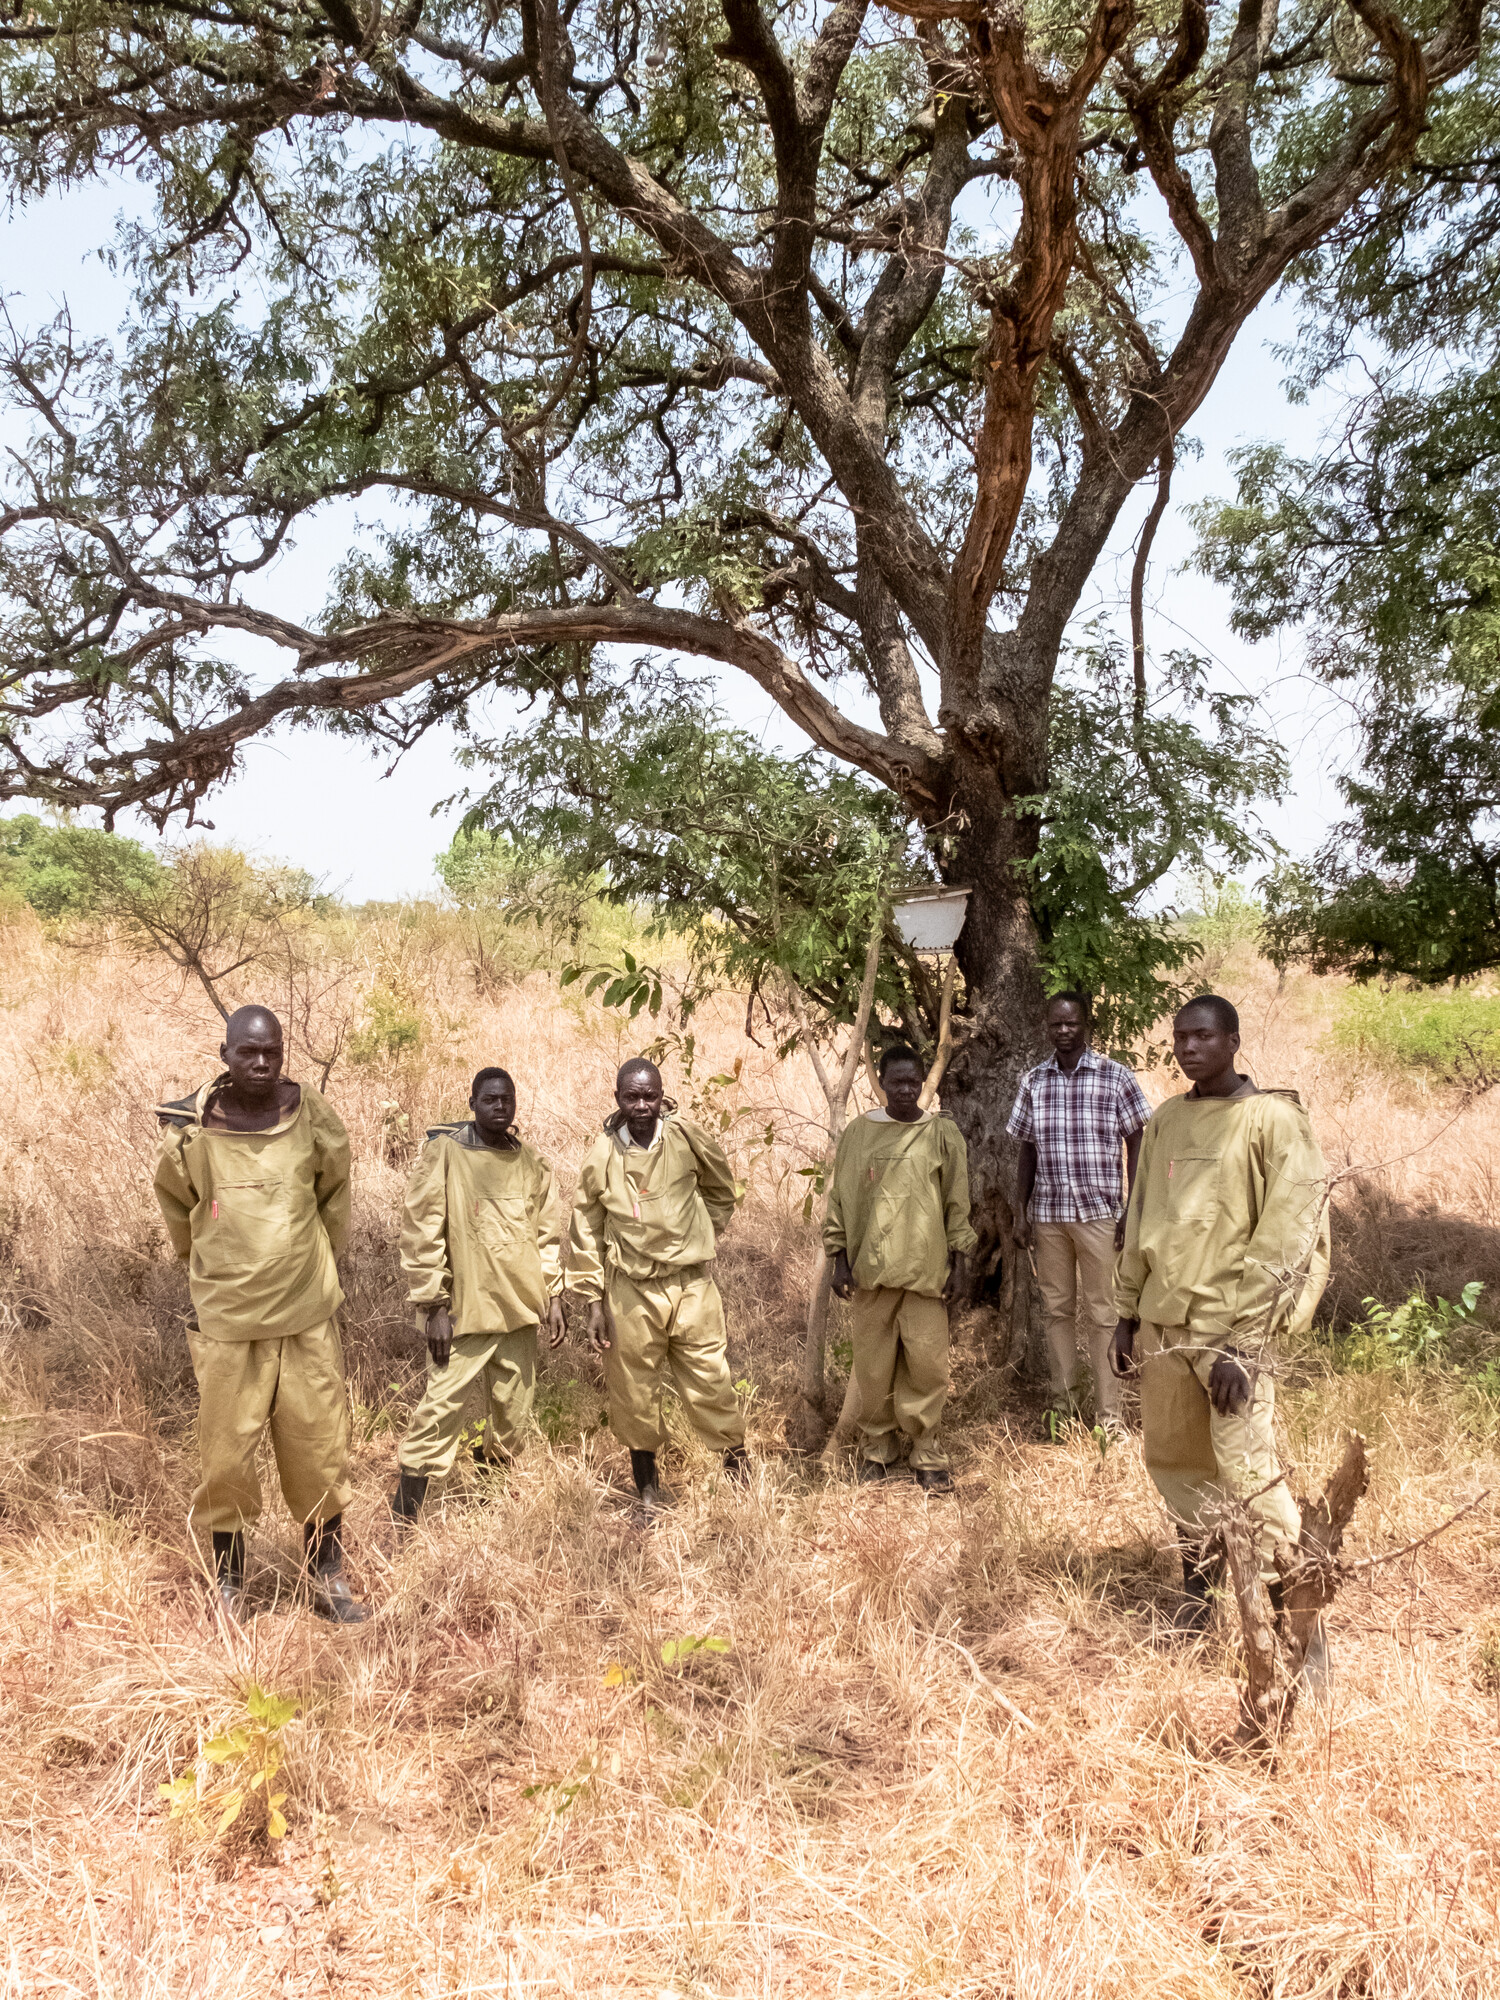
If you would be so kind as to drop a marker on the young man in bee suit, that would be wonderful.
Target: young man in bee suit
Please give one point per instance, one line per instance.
(652, 1200)
(898, 1231)
(1226, 1245)
(253, 1183)
(482, 1252)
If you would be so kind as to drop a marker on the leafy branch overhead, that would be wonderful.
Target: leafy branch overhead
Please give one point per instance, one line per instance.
(708, 353)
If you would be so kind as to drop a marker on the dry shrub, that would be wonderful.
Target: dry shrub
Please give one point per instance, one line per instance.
(503, 1787)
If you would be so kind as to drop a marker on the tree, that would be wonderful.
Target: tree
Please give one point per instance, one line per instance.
(768, 869)
(669, 332)
(1382, 550)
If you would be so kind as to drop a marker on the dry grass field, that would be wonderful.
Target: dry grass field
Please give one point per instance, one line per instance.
(945, 1748)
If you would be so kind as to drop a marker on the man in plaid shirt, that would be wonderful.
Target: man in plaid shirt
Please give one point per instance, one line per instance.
(1072, 1115)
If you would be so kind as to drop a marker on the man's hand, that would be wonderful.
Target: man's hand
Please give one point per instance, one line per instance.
(1122, 1347)
(843, 1277)
(599, 1328)
(1228, 1386)
(1120, 1233)
(439, 1335)
(1022, 1231)
(958, 1276)
(557, 1324)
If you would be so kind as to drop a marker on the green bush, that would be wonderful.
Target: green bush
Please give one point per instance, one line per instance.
(68, 871)
(1411, 1334)
(391, 1028)
(1454, 1038)
(1225, 917)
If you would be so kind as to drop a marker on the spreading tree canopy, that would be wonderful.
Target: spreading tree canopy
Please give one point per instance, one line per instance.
(1384, 550)
(824, 342)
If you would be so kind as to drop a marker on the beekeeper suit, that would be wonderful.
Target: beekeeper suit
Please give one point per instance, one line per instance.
(1226, 1245)
(481, 1249)
(652, 1199)
(897, 1227)
(259, 1216)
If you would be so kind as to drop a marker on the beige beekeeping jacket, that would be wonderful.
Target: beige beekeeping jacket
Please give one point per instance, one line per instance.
(482, 1234)
(899, 1201)
(259, 1217)
(648, 1210)
(1227, 1230)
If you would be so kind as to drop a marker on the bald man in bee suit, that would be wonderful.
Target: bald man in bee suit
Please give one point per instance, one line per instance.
(253, 1183)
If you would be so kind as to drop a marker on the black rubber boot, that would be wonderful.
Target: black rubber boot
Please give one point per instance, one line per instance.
(229, 1575)
(647, 1485)
(934, 1479)
(406, 1501)
(1200, 1575)
(324, 1553)
(737, 1464)
(492, 1461)
(871, 1472)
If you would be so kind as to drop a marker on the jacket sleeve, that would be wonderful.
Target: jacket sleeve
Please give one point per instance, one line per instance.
(175, 1194)
(586, 1234)
(331, 1176)
(715, 1176)
(1130, 1265)
(956, 1221)
(1287, 1231)
(835, 1222)
(424, 1230)
(549, 1227)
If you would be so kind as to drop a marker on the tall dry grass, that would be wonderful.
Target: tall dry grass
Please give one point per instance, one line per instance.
(949, 1751)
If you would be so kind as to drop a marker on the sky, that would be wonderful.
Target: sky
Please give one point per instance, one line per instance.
(366, 827)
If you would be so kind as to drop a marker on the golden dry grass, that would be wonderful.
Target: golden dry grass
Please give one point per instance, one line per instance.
(498, 1788)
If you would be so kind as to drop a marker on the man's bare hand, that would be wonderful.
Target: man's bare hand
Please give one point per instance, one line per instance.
(439, 1335)
(599, 1328)
(1228, 1386)
(958, 1276)
(557, 1324)
(1122, 1347)
(843, 1277)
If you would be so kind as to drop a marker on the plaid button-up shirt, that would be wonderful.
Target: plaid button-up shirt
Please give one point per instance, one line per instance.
(1078, 1123)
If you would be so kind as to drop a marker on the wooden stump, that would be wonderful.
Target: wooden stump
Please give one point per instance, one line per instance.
(1276, 1646)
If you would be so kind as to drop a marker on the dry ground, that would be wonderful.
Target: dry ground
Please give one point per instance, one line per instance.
(949, 1749)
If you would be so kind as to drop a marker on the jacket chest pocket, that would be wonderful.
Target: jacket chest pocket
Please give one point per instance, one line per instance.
(658, 1196)
(244, 1223)
(501, 1221)
(899, 1184)
(1193, 1186)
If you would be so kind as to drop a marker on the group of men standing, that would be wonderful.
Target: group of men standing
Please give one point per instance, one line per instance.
(1212, 1242)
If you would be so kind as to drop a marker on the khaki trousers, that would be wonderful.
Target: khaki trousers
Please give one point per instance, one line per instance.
(507, 1361)
(1075, 1273)
(1197, 1457)
(296, 1385)
(672, 1324)
(901, 1367)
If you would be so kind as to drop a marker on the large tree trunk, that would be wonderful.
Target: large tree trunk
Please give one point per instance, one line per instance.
(997, 951)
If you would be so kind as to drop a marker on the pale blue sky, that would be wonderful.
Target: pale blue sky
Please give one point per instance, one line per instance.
(369, 831)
